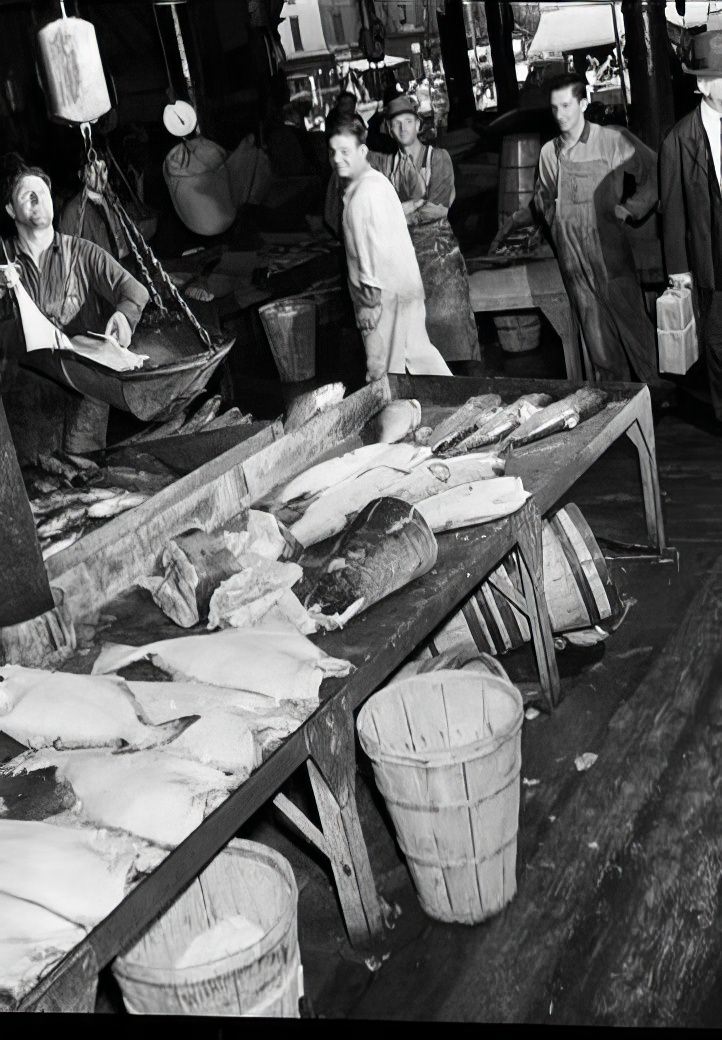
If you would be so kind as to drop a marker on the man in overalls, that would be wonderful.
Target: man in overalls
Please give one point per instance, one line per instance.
(578, 193)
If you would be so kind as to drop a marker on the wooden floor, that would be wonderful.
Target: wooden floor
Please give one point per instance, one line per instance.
(431, 967)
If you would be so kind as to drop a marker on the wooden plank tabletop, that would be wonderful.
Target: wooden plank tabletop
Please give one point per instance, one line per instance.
(380, 639)
(514, 287)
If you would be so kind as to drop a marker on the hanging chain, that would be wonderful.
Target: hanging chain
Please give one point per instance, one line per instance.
(138, 245)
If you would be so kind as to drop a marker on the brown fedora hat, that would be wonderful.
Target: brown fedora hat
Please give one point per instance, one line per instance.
(703, 54)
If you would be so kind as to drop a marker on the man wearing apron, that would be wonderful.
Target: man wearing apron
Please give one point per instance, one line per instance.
(76, 284)
(579, 194)
(383, 274)
(424, 180)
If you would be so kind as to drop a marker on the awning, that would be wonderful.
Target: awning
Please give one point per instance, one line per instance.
(694, 14)
(570, 27)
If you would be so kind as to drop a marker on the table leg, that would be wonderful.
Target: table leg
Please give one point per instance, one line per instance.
(641, 434)
(558, 312)
(332, 770)
(528, 529)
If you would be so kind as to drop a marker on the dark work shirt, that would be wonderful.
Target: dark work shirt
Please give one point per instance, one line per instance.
(78, 285)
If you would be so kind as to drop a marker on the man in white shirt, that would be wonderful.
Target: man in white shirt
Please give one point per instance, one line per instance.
(690, 170)
(383, 272)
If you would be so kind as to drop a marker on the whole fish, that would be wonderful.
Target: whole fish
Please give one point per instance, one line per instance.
(207, 411)
(71, 497)
(474, 503)
(63, 710)
(561, 415)
(49, 547)
(333, 509)
(502, 422)
(273, 660)
(58, 467)
(137, 479)
(233, 417)
(331, 472)
(462, 422)
(59, 523)
(121, 503)
(436, 475)
(396, 420)
(38, 486)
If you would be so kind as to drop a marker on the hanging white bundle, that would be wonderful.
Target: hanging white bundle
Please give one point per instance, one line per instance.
(77, 91)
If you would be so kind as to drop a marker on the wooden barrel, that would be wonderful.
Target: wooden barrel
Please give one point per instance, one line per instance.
(518, 332)
(446, 754)
(578, 587)
(245, 879)
(290, 326)
(517, 171)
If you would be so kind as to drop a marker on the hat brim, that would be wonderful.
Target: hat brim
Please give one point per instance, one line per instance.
(707, 73)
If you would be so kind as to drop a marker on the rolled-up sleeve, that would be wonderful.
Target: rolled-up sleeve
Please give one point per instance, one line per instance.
(111, 281)
(441, 182)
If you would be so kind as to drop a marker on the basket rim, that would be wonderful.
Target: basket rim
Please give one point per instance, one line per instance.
(126, 967)
(440, 756)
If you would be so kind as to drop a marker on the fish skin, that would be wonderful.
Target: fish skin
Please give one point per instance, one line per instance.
(207, 411)
(331, 511)
(559, 415)
(60, 522)
(501, 423)
(437, 475)
(461, 422)
(64, 710)
(129, 479)
(331, 472)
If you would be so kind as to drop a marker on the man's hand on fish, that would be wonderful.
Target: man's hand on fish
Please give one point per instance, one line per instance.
(119, 329)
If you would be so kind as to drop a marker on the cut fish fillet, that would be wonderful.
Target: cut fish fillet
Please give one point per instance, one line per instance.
(61, 709)
(273, 660)
(151, 794)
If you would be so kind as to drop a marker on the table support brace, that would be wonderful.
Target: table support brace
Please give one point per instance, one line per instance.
(641, 434)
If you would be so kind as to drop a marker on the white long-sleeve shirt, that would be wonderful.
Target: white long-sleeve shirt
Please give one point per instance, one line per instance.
(712, 123)
(379, 249)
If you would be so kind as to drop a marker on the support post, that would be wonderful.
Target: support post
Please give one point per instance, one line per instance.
(332, 771)
(26, 592)
(650, 73)
(454, 54)
(528, 529)
(499, 25)
(641, 434)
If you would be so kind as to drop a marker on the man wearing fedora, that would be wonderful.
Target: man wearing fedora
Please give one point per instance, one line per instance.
(690, 165)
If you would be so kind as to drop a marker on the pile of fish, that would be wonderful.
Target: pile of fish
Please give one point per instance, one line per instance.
(56, 883)
(483, 421)
(70, 496)
(205, 418)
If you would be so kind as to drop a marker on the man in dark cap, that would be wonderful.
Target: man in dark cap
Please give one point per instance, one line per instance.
(690, 172)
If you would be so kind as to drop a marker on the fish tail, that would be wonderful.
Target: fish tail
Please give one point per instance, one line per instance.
(166, 732)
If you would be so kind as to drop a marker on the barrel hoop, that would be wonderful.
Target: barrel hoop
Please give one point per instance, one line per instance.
(468, 804)
(580, 577)
(457, 862)
(576, 517)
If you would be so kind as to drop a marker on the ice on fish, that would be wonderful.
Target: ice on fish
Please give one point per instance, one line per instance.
(273, 660)
(43, 709)
(32, 940)
(331, 472)
(153, 795)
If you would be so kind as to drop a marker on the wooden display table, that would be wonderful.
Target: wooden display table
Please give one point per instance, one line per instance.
(535, 284)
(377, 642)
